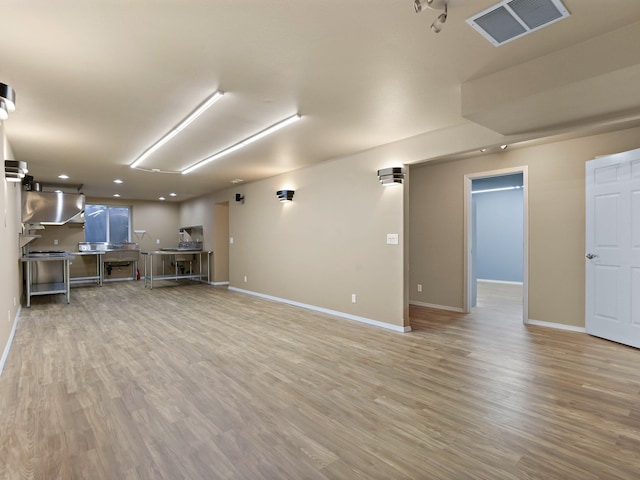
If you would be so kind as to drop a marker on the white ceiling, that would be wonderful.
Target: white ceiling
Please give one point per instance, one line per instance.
(98, 82)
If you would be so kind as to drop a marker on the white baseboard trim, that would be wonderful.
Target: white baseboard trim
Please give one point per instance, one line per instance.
(218, 284)
(369, 321)
(439, 307)
(504, 282)
(558, 326)
(7, 347)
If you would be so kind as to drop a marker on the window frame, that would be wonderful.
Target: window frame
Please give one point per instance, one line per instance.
(108, 218)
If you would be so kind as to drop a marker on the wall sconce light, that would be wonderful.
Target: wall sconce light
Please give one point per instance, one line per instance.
(391, 176)
(239, 198)
(7, 101)
(14, 170)
(285, 195)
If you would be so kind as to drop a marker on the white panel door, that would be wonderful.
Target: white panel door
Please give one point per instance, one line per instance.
(613, 248)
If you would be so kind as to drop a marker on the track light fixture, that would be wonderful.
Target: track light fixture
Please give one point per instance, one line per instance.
(437, 24)
(420, 5)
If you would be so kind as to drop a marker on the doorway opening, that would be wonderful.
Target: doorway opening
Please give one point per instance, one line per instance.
(496, 242)
(221, 243)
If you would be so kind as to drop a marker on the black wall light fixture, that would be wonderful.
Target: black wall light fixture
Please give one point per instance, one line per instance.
(391, 176)
(239, 198)
(285, 195)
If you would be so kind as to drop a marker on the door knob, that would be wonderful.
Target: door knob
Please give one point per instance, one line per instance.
(591, 256)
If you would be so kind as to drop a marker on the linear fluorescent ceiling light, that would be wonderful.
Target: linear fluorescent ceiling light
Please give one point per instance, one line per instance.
(181, 126)
(502, 189)
(511, 19)
(243, 143)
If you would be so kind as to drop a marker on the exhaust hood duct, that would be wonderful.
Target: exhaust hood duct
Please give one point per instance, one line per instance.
(51, 208)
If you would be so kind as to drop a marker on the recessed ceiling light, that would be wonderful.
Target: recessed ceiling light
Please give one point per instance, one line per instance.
(237, 180)
(116, 194)
(503, 147)
(161, 198)
(172, 194)
(181, 126)
(117, 180)
(243, 143)
(63, 176)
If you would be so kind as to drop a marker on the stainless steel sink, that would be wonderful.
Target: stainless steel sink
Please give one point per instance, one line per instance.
(106, 246)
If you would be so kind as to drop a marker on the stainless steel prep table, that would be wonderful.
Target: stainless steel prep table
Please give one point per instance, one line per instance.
(149, 276)
(47, 288)
(99, 276)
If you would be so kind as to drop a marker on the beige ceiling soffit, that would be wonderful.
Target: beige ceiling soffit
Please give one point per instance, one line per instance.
(536, 95)
(611, 95)
(454, 140)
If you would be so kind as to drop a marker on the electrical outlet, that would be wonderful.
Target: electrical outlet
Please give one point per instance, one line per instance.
(231, 240)
(353, 298)
(419, 287)
(392, 239)
(245, 279)
(55, 242)
(158, 241)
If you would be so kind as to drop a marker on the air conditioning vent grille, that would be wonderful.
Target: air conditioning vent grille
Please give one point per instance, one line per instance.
(511, 19)
(535, 13)
(501, 25)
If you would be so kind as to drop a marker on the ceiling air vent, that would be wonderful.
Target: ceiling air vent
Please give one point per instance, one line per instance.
(511, 19)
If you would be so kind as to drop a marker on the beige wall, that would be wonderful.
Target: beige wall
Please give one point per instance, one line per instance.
(9, 253)
(329, 243)
(556, 223)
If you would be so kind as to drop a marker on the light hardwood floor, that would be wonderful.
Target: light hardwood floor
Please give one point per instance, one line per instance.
(196, 382)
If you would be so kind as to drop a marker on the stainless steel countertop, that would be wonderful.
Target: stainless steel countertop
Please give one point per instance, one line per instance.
(174, 252)
(46, 258)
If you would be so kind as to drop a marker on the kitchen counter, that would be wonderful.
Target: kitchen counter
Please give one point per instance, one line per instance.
(99, 276)
(177, 273)
(47, 288)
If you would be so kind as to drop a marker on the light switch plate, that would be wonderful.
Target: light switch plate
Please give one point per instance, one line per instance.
(392, 239)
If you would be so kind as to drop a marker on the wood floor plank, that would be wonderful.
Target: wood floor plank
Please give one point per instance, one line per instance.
(196, 382)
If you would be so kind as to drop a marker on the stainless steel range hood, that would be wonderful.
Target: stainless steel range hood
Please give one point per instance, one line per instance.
(51, 208)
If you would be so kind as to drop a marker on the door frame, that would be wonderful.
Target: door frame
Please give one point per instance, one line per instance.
(468, 229)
